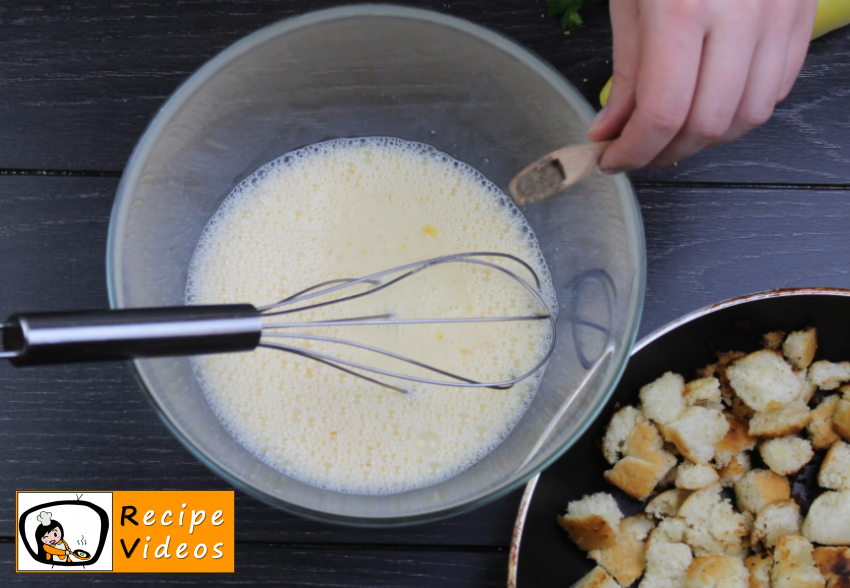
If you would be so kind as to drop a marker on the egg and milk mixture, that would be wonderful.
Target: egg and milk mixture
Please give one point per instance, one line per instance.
(349, 208)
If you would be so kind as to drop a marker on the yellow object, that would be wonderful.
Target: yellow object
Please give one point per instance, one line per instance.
(830, 15)
(606, 91)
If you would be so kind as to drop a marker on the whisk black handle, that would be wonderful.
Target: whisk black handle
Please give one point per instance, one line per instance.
(98, 335)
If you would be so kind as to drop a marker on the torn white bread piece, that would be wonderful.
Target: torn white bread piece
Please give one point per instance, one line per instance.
(828, 520)
(794, 564)
(834, 565)
(800, 347)
(667, 503)
(693, 476)
(758, 488)
(764, 380)
(841, 418)
(645, 462)
(627, 559)
(777, 520)
(697, 432)
(807, 389)
(618, 431)
(713, 525)
(736, 441)
(669, 530)
(703, 392)
(717, 571)
(759, 566)
(827, 375)
(592, 522)
(734, 471)
(820, 430)
(791, 418)
(835, 470)
(666, 565)
(663, 400)
(596, 578)
(786, 455)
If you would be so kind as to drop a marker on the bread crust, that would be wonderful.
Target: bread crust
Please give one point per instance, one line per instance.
(758, 488)
(834, 565)
(717, 571)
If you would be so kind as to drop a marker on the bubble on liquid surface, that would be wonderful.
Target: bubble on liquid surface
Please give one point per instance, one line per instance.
(427, 443)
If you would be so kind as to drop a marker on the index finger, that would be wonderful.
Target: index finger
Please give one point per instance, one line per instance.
(672, 36)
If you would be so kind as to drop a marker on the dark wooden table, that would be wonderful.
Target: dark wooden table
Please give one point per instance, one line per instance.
(79, 81)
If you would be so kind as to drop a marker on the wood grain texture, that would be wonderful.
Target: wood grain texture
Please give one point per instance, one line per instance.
(269, 565)
(704, 246)
(79, 82)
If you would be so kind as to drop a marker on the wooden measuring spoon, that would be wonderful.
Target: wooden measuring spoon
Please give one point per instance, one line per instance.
(553, 172)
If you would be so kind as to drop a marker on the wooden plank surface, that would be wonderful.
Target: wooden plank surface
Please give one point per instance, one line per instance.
(261, 564)
(79, 82)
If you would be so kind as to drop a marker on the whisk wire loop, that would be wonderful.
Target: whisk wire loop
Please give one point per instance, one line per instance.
(408, 270)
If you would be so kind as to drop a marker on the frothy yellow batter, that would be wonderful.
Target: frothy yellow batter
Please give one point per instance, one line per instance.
(349, 208)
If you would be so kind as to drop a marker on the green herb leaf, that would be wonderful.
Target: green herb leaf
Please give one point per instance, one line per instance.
(568, 10)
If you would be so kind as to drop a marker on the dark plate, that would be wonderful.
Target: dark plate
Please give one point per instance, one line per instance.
(541, 555)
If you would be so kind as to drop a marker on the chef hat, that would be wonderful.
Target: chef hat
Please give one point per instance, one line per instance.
(44, 517)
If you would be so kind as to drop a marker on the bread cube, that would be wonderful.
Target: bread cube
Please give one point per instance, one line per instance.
(669, 530)
(592, 522)
(663, 400)
(777, 520)
(759, 566)
(786, 455)
(697, 433)
(717, 571)
(841, 419)
(666, 565)
(800, 347)
(788, 420)
(828, 520)
(736, 441)
(794, 565)
(758, 488)
(713, 526)
(736, 468)
(693, 476)
(827, 375)
(596, 578)
(645, 462)
(835, 469)
(618, 431)
(764, 381)
(667, 503)
(703, 392)
(820, 430)
(626, 560)
(834, 565)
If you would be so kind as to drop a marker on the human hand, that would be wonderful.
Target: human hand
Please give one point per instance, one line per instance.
(690, 74)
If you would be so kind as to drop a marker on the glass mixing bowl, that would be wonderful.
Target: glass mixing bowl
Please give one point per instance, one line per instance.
(373, 70)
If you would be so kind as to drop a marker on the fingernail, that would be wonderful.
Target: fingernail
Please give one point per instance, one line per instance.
(598, 120)
(611, 170)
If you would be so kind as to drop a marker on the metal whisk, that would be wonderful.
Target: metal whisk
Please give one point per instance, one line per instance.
(96, 335)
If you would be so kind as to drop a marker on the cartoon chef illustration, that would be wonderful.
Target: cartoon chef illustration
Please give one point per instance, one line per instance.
(49, 536)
